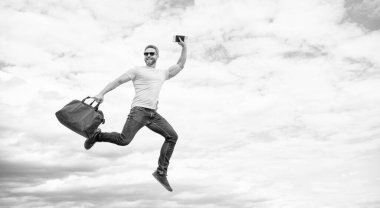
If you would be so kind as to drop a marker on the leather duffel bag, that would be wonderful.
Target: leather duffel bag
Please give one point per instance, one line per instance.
(81, 117)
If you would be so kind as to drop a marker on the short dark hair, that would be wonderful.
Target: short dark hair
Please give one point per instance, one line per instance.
(154, 47)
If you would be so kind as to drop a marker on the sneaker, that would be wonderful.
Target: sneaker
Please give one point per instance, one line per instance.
(92, 140)
(163, 180)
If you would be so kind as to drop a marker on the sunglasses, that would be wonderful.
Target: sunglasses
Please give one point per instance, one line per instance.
(149, 53)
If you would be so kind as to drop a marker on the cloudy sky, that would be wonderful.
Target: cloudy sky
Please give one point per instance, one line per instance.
(278, 105)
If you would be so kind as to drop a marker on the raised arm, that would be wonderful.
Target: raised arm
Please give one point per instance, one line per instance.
(112, 85)
(175, 69)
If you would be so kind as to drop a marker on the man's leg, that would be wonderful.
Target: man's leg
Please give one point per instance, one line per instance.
(159, 125)
(134, 123)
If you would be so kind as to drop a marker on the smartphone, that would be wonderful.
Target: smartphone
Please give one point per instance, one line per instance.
(177, 37)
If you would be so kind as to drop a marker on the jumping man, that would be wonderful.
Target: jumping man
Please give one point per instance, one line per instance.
(147, 81)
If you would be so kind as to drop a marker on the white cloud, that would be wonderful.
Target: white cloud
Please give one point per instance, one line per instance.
(277, 104)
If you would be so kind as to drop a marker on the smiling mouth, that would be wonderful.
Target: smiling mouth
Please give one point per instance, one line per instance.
(149, 61)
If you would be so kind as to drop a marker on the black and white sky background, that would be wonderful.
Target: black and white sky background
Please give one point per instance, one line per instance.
(278, 105)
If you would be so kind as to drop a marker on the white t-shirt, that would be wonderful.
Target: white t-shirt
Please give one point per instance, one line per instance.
(148, 83)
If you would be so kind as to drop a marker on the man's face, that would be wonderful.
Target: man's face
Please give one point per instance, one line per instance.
(150, 56)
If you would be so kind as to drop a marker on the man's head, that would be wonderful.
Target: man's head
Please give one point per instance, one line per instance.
(151, 54)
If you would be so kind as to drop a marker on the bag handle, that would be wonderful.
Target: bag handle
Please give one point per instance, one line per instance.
(96, 107)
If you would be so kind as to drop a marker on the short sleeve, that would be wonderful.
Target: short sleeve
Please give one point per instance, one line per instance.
(131, 73)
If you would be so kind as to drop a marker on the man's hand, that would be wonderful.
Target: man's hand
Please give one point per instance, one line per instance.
(181, 42)
(99, 98)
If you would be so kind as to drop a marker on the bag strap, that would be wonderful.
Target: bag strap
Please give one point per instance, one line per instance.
(96, 107)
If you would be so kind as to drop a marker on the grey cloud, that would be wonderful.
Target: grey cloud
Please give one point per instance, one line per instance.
(300, 54)
(374, 203)
(362, 68)
(31, 172)
(70, 78)
(44, 8)
(171, 7)
(363, 12)
(306, 51)
(144, 195)
(367, 63)
(218, 53)
(100, 196)
(4, 65)
(165, 5)
(65, 54)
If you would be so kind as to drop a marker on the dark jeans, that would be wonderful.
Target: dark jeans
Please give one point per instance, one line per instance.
(137, 118)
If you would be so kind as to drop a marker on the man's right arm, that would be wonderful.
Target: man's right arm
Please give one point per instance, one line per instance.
(112, 85)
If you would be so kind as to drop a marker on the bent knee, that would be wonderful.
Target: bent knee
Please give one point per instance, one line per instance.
(124, 141)
(173, 137)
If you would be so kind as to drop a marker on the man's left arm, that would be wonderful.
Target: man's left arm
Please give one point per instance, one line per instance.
(174, 70)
